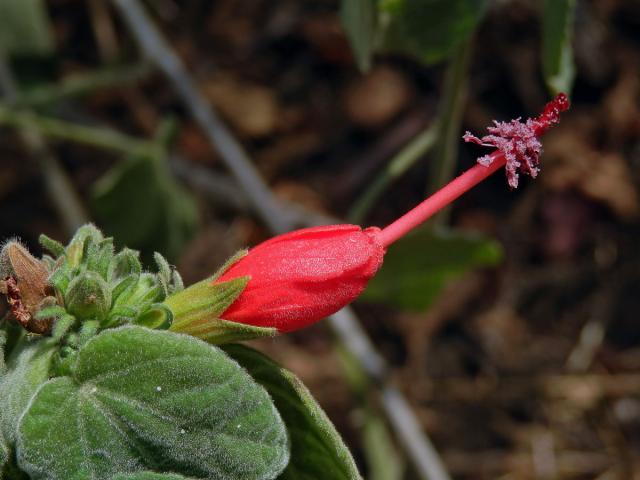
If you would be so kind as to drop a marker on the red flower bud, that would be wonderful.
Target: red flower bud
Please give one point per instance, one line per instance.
(301, 277)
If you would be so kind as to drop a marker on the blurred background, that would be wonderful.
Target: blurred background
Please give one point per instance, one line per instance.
(195, 128)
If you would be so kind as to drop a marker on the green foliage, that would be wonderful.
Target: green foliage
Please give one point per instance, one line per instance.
(431, 30)
(359, 18)
(140, 400)
(418, 266)
(557, 54)
(317, 451)
(140, 204)
(25, 28)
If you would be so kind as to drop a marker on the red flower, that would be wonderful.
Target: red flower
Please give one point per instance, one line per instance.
(301, 277)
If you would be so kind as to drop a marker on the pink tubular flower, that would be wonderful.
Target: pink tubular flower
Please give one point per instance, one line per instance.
(518, 141)
(300, 277)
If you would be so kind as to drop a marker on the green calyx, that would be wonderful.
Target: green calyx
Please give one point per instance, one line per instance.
(197, 309)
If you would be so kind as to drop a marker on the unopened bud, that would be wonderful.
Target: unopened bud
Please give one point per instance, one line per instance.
(29, 272)
(300, 277)
(88, 297)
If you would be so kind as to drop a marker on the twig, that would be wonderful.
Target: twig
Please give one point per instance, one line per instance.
(423, 455)
(61, 191)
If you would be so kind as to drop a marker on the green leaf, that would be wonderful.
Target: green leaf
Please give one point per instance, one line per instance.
(140, 204)
(317, 451)
(359, 19)
(430, 29)
(141, 400)
(26, 29)
(418, 266)
(557, 54)
(26, 372)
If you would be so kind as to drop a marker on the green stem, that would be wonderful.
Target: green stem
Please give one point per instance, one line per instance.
(451, 110)
(82, 84)
(397, 167)
(62, 130)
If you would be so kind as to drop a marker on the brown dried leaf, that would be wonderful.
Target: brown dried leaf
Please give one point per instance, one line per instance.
(30, 273)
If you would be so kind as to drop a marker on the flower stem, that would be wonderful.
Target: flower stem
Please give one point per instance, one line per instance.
(439, 200)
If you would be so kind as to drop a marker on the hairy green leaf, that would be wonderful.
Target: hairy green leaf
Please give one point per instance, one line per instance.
(26, 372)
(419, 265)
(557, 54)
(148, 400)
(430, 29)
(23, 375)
(317, 451)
